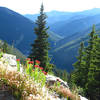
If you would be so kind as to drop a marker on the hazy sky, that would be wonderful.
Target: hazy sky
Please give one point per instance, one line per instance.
(33, 6)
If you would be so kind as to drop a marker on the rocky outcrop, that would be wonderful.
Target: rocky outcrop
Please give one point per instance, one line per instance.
(6, 95)
(10, 59)
(9, 62)
(50, 80)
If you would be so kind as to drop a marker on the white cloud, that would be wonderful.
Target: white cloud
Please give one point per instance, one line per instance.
(32, 6)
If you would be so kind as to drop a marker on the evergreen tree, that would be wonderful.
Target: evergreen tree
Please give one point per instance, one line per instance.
(65, 75)
(78, 75)
(89, 48)
(93, 83)
(89, 54)
(41, 46)
(87, 68)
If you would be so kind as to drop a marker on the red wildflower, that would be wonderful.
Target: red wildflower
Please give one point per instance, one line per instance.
(28, 59)
(17, 59)
(31, 62)
(36, 66)
(41, 68)
(44, 72)
(38, 62)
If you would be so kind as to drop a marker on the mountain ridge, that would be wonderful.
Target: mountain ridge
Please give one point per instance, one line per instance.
(18, 30)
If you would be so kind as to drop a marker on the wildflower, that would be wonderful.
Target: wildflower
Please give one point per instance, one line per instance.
(44, 72)
(41, 68)
(17, 59)
(18, 64)
(28, 59)
(37, 66)
(37, 62)
(31, 62)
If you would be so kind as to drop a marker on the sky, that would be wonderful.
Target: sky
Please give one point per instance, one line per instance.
(33, 6)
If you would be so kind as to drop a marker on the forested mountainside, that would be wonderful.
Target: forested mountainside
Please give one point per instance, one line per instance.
(74, 27)
(66, 50)
(19, 31)
(68, 23)
(16, 29)
(10, 49)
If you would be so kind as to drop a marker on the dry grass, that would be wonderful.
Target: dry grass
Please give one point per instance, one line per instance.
(21, 84)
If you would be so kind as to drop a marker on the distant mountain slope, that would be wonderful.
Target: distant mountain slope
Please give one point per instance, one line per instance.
(67, 28)
(52, 16)
(68, 23)
(57, 16)
(14, 51)
(18, 30)
(64, 54)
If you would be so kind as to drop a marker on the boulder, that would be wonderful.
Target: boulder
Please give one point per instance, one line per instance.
(50, 80)
(11, 59)
(83, 98)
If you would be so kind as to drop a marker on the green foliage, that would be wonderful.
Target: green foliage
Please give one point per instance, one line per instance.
(93, 84)
(5, 47)
(49, 68)
(18, 65)
(16, 52)
(80, 69)
(35, 72)
(87, 68)
(41, 46)
(61, 73)
(1, 53)
(77, 89)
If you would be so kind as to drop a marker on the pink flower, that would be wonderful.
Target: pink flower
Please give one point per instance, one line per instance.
(44, 72)
(41, 68)
(38, 62)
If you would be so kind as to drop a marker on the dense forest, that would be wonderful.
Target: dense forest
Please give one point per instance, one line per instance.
(87, 68)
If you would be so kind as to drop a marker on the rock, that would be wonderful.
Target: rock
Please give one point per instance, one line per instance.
(50, 80)
(82, 98)
(11, 59)
(6, 95)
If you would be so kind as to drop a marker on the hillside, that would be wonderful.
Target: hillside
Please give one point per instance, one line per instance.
(68, 27)
(13, 51)
(74, 27)
(25, 84)
(17, 28)
(68, 23)
(66, 50)
(19, 31)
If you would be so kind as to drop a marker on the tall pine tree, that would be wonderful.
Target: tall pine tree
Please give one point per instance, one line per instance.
(78, 75)
(93, 83)
(41, 46)
(87, 68)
